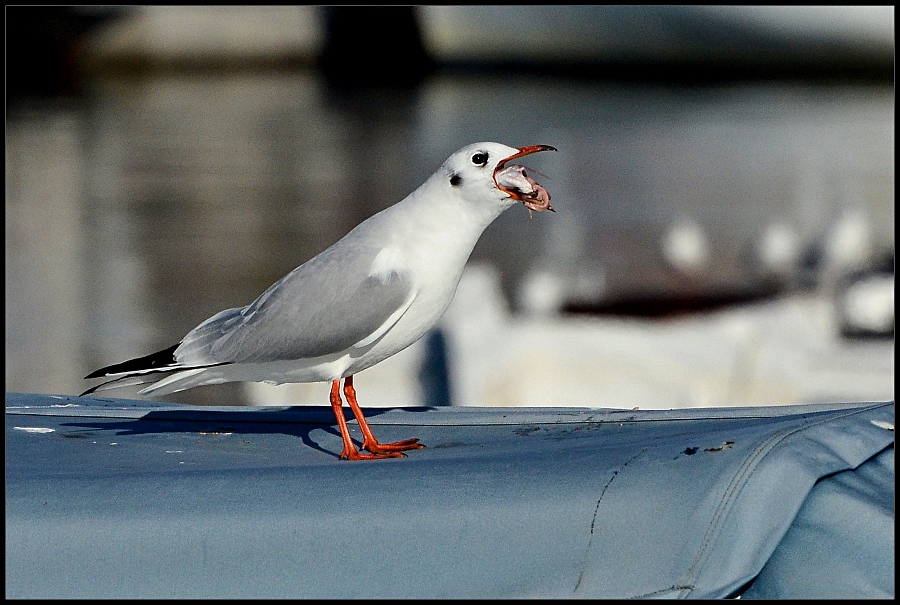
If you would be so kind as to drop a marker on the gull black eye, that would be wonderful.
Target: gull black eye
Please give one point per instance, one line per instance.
(480, 158)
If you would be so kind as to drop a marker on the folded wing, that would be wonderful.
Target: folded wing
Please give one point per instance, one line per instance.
(325, 306)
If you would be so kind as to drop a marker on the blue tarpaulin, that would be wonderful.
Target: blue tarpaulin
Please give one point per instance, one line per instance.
(112, 498)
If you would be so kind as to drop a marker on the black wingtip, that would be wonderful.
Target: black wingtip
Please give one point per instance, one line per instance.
(92, 389)
(160, 360)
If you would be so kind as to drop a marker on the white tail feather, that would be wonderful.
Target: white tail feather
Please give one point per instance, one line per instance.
(172, 384)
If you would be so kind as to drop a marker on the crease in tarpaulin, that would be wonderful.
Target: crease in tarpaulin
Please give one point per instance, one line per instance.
(743, 478)
(762, 491)
(587, 549)
(841, 544)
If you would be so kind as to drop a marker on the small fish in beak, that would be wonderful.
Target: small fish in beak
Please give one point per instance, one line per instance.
(516, 182)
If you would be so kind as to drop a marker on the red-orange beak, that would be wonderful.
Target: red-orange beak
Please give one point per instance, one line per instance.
(525, 151)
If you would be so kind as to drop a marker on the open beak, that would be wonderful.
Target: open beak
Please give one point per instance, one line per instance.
(524, 151)
(516, 183)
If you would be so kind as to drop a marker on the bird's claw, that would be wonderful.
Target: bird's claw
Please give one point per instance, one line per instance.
(357, 455)
(392, 448)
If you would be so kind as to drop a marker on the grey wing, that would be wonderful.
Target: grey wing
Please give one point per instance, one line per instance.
(325, 306)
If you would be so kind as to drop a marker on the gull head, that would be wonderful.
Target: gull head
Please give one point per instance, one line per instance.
(483, 170)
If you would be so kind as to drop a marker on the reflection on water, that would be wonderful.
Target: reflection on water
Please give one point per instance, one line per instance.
(164, 200)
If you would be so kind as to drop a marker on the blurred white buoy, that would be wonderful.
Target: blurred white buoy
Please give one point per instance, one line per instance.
(779, 249)
(685, 247)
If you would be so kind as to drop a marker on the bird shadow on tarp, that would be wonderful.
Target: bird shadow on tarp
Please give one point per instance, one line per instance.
(297, 421)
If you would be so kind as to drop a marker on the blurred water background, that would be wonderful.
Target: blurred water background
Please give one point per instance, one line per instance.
(724, 188)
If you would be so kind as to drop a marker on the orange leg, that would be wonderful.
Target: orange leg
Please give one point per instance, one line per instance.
(350, 452)
(369, 441)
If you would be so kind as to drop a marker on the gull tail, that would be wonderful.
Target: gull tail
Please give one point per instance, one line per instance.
(121, 381)
(142, 370)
